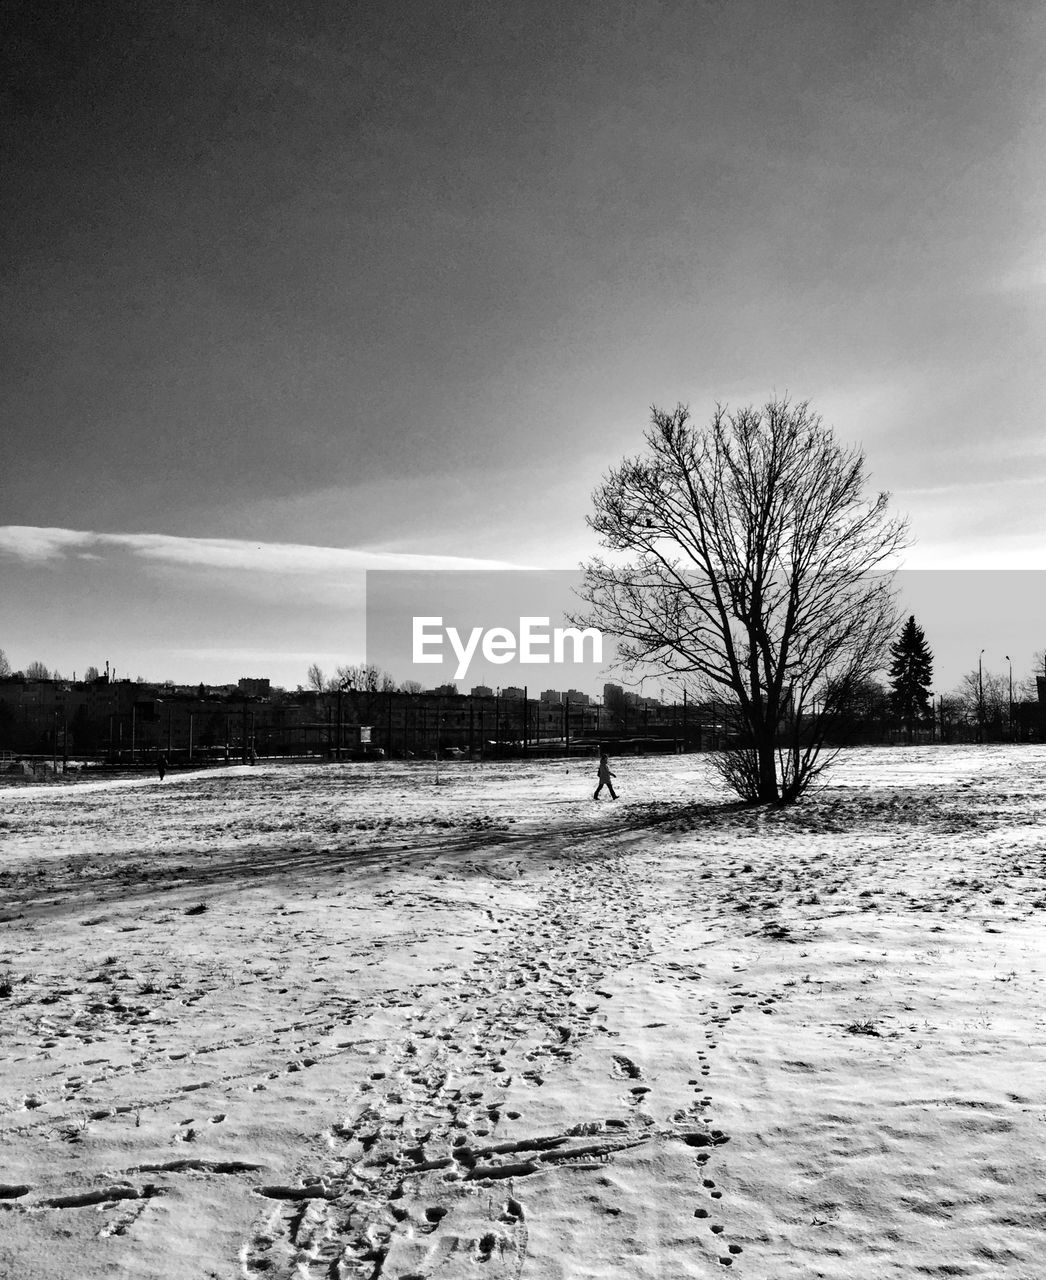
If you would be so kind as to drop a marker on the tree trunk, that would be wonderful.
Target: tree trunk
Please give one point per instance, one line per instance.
(768, 788)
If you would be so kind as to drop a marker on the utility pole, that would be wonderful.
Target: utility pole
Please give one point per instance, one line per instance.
(1013, 736)
(350, 684)
(980, 696)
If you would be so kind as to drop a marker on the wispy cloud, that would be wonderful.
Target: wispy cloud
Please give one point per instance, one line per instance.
(233, 653)
(1003, 553)
(33, 544)
(42, 545)
(1026, 275)
(955, 490)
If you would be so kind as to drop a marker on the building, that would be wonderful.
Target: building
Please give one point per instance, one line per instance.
(253, 687)
(130, 722)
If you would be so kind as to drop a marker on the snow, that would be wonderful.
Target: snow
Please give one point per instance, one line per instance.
(348, 1021)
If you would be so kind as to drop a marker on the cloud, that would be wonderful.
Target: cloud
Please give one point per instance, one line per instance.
(957, 492)
(1026, 275)
(39, 545)
(43, 545)
(304, 657)
(1001, 555)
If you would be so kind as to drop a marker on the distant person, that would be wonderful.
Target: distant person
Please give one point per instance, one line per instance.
(604, 778)
(161, 765)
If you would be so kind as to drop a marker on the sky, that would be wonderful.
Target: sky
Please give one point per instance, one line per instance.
(294, 291)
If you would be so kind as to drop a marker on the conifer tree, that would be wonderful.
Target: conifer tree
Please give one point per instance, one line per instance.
(911, 674)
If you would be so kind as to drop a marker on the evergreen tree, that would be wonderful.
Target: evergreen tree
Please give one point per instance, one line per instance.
(911, 674)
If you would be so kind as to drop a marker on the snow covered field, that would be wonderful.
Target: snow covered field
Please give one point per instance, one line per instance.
(342, 1021)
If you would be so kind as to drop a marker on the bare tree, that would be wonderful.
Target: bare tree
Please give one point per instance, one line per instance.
(1028, 687)
(37, 671)
(366, 677)
(759, 577)
(411, 686)
(984, 699)
(5, 666)
(952, 713)
(360, 677)
(862, 713)
(91, 674)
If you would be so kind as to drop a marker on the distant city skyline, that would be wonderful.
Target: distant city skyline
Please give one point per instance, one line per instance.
(293, 294)
(997, 618)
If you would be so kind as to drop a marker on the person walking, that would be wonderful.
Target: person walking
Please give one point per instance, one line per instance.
(604, 777)
(161, 765)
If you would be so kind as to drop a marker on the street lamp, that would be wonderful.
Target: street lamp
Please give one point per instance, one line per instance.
(349, 682)
(980, 697)
(1010, 661)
